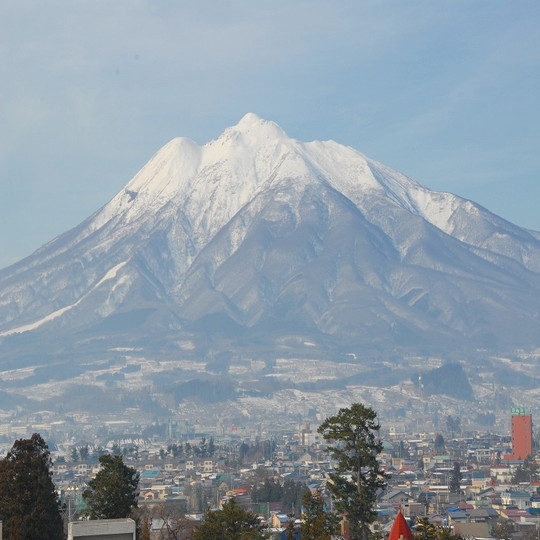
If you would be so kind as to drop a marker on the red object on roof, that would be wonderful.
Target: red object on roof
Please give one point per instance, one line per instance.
(400, 529)
(242, 490)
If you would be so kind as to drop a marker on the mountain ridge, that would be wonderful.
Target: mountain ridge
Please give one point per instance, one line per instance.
(265, 231)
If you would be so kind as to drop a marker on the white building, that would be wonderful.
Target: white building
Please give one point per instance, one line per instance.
(102, 529)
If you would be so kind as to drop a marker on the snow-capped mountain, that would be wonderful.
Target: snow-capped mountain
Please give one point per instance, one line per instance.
(259, 242)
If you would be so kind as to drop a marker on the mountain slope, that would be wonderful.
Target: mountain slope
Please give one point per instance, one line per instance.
(256, 236)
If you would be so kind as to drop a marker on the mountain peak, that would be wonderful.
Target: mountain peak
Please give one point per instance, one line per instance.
(250, 119)
(256, 129)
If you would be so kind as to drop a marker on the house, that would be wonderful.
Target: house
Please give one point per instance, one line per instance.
(472, 522)
(519, 499)
(471, 515)
(515, 514)
(60, 468)
(413, 510)
(306, 459)
(279, 520)
(396, 496)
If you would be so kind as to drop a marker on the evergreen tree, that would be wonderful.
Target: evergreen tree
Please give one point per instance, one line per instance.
(269, 491)
(116, 450)
(401, 450)
(439, 446)
(526, 472)
(317, 524)
(425, 530)
(84, 452)
(455, 479)
(447, 533)
(453, 424)
(29, 507)
(211, 447)
(291, 496)
(202, 449)
(113, 492)
(173, 450)
(230, 523)
(424, 498)
(503, 529)
(357, 476)
(97, 452)
(242, 452)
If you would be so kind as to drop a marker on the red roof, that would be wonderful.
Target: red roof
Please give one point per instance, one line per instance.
(400, 529)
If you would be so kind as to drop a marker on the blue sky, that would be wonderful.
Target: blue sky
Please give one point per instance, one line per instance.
(446, 92)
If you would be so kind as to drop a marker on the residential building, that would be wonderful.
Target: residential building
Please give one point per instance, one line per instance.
(522, 437)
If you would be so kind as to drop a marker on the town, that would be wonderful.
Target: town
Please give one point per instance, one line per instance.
(479, 485)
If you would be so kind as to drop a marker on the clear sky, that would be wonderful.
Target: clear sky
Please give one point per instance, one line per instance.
(446, 92)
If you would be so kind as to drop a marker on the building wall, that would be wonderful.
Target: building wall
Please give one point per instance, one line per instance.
(521, 436)
(106, 536)
(104, 529)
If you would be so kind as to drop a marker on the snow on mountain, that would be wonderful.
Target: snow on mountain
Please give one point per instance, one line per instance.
(255, 235)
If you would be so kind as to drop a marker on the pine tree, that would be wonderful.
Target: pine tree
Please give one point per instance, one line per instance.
(439, 446)
(317, 524)
(526, 472)
(455, 479)
(112, 493)
(29, 507)
(425, 530)
(230, 523)
(84, 452)
(357, 477)
(291, 496)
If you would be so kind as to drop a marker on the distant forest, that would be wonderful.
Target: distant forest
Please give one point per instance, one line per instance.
(449, 380)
